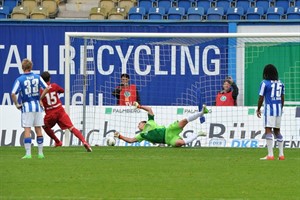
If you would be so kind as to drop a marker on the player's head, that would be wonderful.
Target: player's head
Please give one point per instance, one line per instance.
(124, 79)
(141, 125)
(46, 76)
(26, 65)
(270, 72)
(226, 85)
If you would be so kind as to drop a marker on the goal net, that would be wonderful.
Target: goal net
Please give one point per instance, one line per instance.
(175, 73)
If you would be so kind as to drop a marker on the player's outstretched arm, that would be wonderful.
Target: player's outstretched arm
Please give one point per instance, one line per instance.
(126, 139)
(146, 108)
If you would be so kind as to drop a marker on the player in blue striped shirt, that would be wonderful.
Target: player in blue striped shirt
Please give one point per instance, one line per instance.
(28, 86)
(271, 93)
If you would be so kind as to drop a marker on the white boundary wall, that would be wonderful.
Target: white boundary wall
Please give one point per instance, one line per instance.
(226, 126)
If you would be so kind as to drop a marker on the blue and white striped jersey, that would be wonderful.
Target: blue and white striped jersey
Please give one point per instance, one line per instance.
(28, 87)
(272, 91)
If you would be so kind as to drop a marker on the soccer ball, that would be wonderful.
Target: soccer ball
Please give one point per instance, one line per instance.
(110, 141)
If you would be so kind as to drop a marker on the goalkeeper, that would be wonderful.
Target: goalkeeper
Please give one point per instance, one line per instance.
(154, 133)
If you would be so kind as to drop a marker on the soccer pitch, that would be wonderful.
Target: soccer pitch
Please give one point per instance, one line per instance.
(148, 173)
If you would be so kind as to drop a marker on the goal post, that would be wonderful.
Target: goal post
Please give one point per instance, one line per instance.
(171, 71)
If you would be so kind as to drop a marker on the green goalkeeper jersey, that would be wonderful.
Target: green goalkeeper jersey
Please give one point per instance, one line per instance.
(152, 132)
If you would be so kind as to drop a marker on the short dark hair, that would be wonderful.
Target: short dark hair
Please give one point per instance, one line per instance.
(46, 76)
(270, 72)
(145, 122)
(125, 76)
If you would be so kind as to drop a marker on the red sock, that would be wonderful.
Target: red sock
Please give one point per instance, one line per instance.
(51, 134)
(78, 134)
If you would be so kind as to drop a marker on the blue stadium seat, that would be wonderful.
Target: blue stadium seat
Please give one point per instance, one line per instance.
(245, 4)
(195, 13)
(167, 4)
(297, 3)
(136, 13)
(255, 13)
(215, 13)
(147, 4)
(204, 4)
(186, 4)
(293, 13)
(11, 4)
(275, 13)
(176, 13)
(285, 4)
(225, 4)
(4, 12)
(156, 13)
(265, 4)
(236, 13)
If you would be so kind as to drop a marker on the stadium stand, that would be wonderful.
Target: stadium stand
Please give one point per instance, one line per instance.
(255, 13)
(30, 4)
(275, 13)
(245, 4)
(117, 13)
(127, 4)
(137, 13)
(4, 12)
(186, 4)
(147, 4)
(156, 13)
(204, 4)
(98, 13)
(297, 3)
(236, 13)
(265, 4)
(20, 12)
(285, 4)
(39, 13)
(176, 13)
(293, 13)
(225, 4)
(51, 6)
(195, 13)
(11, 4)
(166, 4)
(215, 13)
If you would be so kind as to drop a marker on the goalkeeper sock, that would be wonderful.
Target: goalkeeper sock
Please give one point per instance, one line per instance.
(40, 141)
(27, 145)
(269, 138)
(194, 116)
(51, 134)
(78, 134)
(190, 138)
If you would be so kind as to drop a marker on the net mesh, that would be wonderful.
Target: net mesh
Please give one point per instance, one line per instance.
(176, 76)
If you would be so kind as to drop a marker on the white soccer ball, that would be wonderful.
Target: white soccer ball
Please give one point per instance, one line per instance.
(111, 141)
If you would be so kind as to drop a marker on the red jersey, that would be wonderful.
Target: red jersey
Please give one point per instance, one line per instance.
(224, 99)
(128, 95)
(51, 100)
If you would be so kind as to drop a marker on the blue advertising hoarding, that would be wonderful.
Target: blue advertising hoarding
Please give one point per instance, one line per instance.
(162, 78)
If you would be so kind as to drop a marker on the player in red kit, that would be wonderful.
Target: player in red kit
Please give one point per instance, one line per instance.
(56, 114)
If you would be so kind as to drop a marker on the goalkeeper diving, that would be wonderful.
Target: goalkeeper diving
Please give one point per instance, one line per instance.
(154, 133)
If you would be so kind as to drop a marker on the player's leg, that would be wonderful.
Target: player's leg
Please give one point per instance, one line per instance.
(269, 123)
(65, 122)
(49, 121)
(38, 123)
(193, 117)
(279, 139)
(27, 123)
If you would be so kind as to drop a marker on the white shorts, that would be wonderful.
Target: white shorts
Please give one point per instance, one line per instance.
(272, 121)
(32, 119)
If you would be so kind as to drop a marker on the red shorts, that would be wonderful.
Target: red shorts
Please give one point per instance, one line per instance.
(58, 116)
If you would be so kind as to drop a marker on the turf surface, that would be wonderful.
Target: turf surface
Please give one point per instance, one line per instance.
(148, 173)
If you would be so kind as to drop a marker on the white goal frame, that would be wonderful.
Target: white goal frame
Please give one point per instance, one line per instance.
(111, 35)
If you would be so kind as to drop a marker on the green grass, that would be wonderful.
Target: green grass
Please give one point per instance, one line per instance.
(148, 173)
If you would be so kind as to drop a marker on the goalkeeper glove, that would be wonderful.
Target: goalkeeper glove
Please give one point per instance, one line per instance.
(117, 134)
(136, 105)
